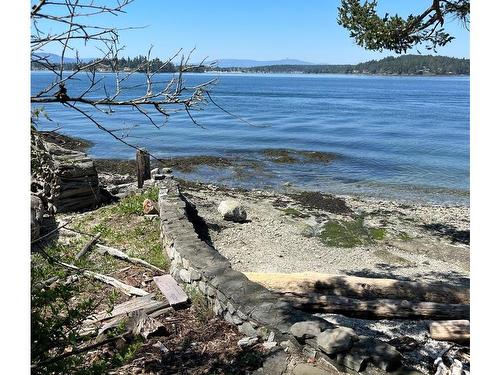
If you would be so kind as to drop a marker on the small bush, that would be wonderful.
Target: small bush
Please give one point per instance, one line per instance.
(200, 305)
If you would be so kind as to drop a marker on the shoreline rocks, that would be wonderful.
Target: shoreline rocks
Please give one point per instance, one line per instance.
(232, 210)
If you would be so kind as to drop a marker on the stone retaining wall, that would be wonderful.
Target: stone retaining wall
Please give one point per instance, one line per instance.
(252, 308)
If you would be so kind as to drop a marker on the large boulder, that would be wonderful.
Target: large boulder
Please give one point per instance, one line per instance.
(232, 210)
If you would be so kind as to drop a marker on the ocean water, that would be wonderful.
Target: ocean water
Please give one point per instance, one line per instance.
(404, 138)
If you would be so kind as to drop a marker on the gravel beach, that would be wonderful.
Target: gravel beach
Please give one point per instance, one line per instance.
(284, 233)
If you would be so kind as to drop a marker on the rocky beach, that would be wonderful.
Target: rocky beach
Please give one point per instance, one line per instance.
(293, 231)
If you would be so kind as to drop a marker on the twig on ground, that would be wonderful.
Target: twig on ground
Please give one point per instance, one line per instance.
(88, 246)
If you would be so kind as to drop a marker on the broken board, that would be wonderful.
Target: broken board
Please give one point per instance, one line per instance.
(171, 290)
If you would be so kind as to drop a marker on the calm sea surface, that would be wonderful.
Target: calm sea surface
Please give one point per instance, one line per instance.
(395, 137)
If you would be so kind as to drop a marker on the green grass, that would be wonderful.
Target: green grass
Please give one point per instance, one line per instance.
(342, 233)
(350, 233)
(122, 225)
(133, 204)
(378, 233)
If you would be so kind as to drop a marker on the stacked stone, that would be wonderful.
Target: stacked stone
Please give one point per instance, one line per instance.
(65, 179)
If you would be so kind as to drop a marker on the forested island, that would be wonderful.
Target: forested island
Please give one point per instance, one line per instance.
(401, 65)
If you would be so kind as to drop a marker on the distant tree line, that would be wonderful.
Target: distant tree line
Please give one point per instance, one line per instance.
(138, 64)
(402, 65)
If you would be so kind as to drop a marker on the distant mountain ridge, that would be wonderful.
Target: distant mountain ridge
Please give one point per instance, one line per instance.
(56, 59)
(245, 63)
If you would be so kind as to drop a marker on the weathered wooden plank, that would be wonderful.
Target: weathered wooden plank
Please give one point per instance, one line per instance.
(170, 289)
(146, 303)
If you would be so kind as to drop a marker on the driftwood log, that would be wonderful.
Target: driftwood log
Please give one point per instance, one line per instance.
(451, 330)
(303, 284)
(102, 249)
(129, 290)
(377, 309)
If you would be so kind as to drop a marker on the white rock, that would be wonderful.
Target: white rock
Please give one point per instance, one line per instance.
(232, 210)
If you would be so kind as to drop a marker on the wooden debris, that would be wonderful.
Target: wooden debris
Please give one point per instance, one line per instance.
(451, 330)
(146, 303)
(170, 289)
(143, 162)
(360, 287)
(125, 288)
(140, 323)
(88, 246)
(101, 249)
(380, 308)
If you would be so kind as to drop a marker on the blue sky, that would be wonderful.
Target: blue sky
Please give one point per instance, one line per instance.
(257, 29)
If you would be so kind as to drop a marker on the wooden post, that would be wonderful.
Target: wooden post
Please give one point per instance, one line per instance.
(143, 167)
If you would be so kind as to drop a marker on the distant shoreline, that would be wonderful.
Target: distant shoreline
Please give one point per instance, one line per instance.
(212, 72)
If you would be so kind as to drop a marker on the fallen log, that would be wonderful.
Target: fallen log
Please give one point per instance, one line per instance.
(101, 249)
(377, 309)
(360, 287)
(451, 330)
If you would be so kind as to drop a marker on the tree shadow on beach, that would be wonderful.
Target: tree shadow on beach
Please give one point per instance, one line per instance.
(449, 231)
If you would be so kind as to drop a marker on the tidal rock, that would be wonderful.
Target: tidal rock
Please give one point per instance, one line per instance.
(336, 340)
(232, 210)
